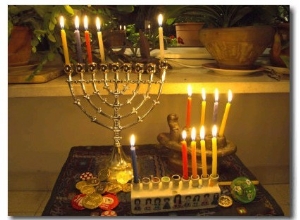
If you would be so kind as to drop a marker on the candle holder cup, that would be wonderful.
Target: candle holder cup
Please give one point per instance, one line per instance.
(176, 195)
(101, 91)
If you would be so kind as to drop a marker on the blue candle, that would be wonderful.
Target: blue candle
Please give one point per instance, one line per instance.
(78, 41)
(133, 158)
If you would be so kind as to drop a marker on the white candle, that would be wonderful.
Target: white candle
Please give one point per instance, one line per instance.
(100, 40)
(161, 37)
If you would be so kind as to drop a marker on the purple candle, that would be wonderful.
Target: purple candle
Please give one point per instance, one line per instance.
(216, 104)
(77, 39)
(133, 158)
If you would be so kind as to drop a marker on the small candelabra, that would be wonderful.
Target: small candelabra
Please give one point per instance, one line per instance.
(100, 91)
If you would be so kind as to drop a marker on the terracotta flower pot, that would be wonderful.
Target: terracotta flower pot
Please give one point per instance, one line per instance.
(189, 33)
(19, 46)
(237, 47)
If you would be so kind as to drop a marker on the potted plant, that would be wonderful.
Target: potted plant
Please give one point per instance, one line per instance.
(236, 35)
(280, 50)
(42, 23)
(187, 21)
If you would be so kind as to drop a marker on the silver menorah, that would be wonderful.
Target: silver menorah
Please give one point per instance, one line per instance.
(101, 91)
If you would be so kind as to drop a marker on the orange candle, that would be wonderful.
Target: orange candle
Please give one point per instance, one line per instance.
(203, 106)
(214, 152)
(225, 116)
(184, 156)
(100, 40)
(87, 40)
(194, 155)
(189, 107)
(161, 37)
(203, 152)
(64, 41)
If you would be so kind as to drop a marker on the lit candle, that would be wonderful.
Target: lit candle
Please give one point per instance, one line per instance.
(133, 158)
(216, 104)
(203, 152)
(203, 105)
(78, 41)
(64, 41)
(100, 40)
(87, 40)
(214, 152)
(161, 37)
(189, 107)
(184, 156)
(225, 116)
(193, 153)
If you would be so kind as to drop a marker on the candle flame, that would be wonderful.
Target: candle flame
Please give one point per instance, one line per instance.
(203, 94)
(229, 96)
(183, 134)
(193, 134)
(85, 21)
(62, 22)
(214, 131)
(216, 95)
(160, 19)
(98, 24)
(202, 132)
(132, 140)
(189, 90)
(77, 22)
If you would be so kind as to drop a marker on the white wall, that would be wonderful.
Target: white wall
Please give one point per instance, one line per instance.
(42, 130)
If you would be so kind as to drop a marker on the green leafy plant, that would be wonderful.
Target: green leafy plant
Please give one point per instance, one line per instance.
(43, 20)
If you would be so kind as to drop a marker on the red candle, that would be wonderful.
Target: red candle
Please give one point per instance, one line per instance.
(189, 107)
(184, 157)
(87, 40)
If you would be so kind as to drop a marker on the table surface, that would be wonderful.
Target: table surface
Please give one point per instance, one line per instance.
(151, 162)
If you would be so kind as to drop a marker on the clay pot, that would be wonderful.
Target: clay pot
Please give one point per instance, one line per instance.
(189, 33)
(283, 30)
(237, 47)
(19, 46)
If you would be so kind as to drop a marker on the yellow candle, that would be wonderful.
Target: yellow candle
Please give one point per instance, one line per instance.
(203, 105)
(64, 41)
(214, 152)
(194, 155)
(161, 37)
(203, 152)
(100, 40)
(225, 116)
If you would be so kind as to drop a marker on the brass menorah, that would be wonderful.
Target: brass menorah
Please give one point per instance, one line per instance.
(101, 91)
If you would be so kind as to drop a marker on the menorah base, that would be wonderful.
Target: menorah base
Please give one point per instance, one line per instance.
(119, 166)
